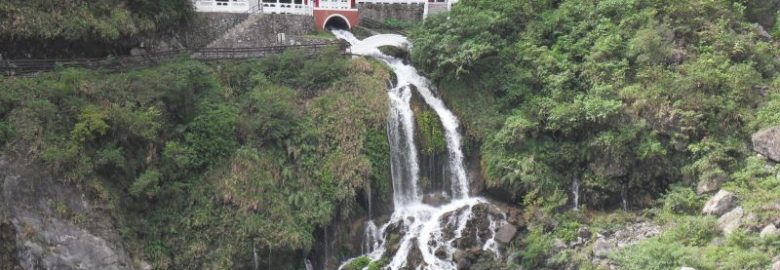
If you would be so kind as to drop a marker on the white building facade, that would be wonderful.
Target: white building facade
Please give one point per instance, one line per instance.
(306, 7)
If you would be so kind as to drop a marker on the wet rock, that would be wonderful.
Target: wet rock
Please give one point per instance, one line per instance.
(767, 143)
(436, 199)
(458, 255)
(440, 253)
(602, 248)
(719, 204)
(731, 220)
(506, 233)
(464, 265)
(415, 256)
(494, 210)
(770, 231)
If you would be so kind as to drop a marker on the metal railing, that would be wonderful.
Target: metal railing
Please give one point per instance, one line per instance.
(242, 53)
(31, 67)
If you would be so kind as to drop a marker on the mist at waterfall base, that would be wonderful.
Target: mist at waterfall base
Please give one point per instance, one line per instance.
(429, 231)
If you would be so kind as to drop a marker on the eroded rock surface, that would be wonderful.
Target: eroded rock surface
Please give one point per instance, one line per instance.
(731, 220)
(721, 203)
(767, 143)
(55, 226)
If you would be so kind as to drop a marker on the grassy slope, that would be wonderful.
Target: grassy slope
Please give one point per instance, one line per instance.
(201, 164)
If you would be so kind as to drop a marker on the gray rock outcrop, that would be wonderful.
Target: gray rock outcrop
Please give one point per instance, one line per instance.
(770, 231)
(55, 226)
(506, 233)
(731, 220)
(711, 184)
(602, 248)
(767, 143)
(719, 204)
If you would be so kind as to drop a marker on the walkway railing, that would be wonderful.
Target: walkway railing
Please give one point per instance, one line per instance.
(392, 1)
(30, 67)
(241, 53)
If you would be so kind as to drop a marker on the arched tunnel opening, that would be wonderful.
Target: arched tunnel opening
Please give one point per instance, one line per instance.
(337, 22)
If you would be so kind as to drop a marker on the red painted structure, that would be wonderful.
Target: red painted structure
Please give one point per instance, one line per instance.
(323, 15)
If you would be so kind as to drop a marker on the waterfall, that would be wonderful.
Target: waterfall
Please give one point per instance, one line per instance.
(575, 192)
(307, 264)
(623, 193)
(254, 256)
(431, 231)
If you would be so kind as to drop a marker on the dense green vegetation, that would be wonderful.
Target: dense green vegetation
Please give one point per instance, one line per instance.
(79, 28)
(630, 97)
(201, 164)
(87, 20)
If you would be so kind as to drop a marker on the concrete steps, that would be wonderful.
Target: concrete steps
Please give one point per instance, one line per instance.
(231, 37)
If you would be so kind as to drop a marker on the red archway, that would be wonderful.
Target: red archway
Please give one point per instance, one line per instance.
(335, 12)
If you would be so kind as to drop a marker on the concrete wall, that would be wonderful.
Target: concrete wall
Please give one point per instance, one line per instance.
(199, 32)
(380, 12)
(265, 30)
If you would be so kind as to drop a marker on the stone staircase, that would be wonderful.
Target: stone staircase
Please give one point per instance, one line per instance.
(232, 37)
(435, 8)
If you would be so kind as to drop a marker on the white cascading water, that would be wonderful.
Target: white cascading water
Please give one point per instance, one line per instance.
(423, 225)
(575, 192)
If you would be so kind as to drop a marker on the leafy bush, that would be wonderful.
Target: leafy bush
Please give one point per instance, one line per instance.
(147, 185)
(81, 20)
(211, 134)
(358, 263)
(400, 24)
(681, 200)
(537, 246)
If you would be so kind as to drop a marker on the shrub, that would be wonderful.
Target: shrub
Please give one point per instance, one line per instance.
(147, 185)
(655, 255)
(692, 230)
(681, 200)
(358, 263)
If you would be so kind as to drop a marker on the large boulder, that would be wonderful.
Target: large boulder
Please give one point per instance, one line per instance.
(776, 266)
(506, 233)
(687, 268)
(721, 203)
(731, 220)
(770, 231)
(602, 248)
(711, 184)
(767, 143)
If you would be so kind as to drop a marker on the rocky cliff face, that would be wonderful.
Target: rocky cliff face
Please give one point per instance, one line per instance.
(47, 224)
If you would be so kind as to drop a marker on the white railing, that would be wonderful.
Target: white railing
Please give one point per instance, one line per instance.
(239, 6)
(392, 1)
(335, 4)
(286, 8)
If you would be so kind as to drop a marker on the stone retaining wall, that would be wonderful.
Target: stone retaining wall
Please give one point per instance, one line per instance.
(381, 12)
